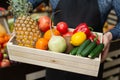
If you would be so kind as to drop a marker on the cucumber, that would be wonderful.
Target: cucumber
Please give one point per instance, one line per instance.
(85, 52)
(96, 51)
(82, 46)
(74, 51)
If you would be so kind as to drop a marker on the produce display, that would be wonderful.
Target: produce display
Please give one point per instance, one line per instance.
(79, 41)
(4, 38)
(41, 34)
(39, 42)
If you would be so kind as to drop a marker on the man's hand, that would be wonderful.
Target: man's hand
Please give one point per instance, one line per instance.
(107, 37)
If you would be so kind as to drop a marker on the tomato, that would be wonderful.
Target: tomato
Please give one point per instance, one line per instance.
(62, 27)
(68, 34)
(44, 23)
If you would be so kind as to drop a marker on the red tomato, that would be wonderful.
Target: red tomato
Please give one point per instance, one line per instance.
(62, 27)
(44, 23)
(68, 34)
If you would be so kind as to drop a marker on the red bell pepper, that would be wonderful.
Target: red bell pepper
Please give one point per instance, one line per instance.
(83, 27)
(94, 37)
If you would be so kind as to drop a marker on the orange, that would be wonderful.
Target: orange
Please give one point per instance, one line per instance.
(47, 35)
(4, 44)
(42, 43)
(6, 37)
(1, 40)
(2, 34)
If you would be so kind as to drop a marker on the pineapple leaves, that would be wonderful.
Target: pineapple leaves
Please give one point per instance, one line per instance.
(20, 7)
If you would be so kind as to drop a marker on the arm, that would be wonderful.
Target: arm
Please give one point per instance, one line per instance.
(115, 32)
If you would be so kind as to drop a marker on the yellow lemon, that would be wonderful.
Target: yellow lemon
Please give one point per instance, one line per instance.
(78, 38)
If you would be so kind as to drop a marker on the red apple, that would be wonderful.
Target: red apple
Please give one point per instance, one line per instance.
(0, 64)
(1, 56)
(2, 9)
(44, 23)
(5, 63)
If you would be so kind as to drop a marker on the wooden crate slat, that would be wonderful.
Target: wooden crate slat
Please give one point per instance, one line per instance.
(112, 63)
(114, 53)
(111, 72)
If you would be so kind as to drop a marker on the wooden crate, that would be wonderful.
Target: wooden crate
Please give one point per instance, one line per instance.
(51, 59)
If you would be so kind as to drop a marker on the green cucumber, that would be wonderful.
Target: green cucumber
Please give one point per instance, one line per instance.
(74, 51)
(96, 51)
(85, 52)
(82, 46)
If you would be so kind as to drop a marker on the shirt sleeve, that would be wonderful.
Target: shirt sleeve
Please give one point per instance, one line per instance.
(105, 7)
(35, 3)
(116, 30)
(54, 3)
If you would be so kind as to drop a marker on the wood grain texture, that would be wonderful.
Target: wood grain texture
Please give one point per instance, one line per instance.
(55, 60)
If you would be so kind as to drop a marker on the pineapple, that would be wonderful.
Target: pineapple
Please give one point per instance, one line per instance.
(26, 29)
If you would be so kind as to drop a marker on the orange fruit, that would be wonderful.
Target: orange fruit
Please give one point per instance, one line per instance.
(2, 34)
(1, 40)
(47, 35)
(6, 37)
(4, 44)
(42, 43)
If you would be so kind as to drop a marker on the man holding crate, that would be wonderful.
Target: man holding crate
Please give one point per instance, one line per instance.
(94, 13)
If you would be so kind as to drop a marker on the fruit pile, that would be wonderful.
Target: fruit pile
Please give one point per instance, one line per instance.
(42, 34)
(4, 37)
(39, 34)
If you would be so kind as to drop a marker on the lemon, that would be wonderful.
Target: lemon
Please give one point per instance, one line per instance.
(78, 38)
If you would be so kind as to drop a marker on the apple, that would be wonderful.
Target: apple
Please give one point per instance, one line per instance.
(44, 23)
(1, 56)
(2, 9)
(5, 63)
(0, 64)
(62, 27)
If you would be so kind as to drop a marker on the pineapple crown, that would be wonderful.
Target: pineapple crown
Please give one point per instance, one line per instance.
(20, 7)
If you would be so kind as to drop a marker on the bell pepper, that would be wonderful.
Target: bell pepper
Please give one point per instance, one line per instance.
(82, 27)
(94, 37)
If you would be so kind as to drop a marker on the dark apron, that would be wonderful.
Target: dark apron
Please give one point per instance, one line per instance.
(75, 12)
